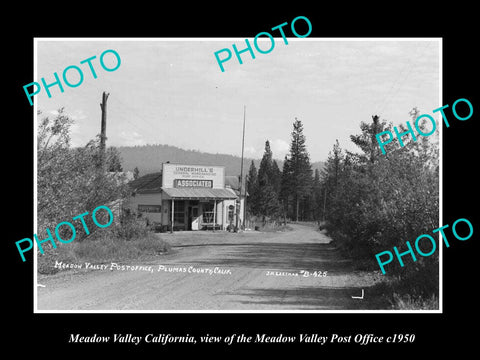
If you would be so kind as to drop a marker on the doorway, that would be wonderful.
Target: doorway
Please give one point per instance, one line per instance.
(193, 218)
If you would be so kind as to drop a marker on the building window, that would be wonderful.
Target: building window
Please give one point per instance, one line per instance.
(179, 212)
(149, 208)
(207, 213)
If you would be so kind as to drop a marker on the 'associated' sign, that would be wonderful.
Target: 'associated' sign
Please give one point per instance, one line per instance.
(193, 183)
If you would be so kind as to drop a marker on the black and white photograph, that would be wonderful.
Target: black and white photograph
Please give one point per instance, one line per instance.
(222, 180)
(253, 186)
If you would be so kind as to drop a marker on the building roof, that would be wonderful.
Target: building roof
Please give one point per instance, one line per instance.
(199, 193)
(147, 184)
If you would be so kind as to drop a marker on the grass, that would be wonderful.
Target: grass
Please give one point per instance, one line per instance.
(399, 296)
(106, 248)
(415, 290)
(271, 225)
(268, 227)
(408, 302)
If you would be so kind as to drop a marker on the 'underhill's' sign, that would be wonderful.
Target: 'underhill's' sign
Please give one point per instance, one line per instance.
(193, 176)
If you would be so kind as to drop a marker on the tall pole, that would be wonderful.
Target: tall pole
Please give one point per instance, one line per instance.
(241, 169)
(172, 215)
(103, 136)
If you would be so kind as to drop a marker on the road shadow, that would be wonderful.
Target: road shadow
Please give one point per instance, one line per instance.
(311, 298)
(278, 256)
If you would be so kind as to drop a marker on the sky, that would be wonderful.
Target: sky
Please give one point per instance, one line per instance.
(172, 91)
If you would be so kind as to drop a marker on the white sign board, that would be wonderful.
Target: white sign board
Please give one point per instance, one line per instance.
(193, 176)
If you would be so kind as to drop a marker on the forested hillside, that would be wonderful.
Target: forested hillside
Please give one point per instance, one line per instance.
(149, 158)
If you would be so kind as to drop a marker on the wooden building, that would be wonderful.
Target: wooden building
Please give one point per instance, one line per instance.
(191, 197)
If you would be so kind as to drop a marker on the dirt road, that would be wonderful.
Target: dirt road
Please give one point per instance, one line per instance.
(219, 271)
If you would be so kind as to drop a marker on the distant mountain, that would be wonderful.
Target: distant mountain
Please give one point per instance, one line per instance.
(149, 159)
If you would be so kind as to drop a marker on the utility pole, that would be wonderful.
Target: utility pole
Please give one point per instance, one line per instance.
(241, 172)
(103, 136)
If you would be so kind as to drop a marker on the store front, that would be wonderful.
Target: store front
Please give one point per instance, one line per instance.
(186, 197)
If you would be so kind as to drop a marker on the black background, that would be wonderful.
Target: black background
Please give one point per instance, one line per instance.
(49, 333)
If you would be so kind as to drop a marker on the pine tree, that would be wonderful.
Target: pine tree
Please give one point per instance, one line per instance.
(300, 169)
(367, 140)
(331, 176)
(113, 160)
(317, 195)
(268, 204)
(285, 187)
(265, 169)
(276, 177)
(136, 173)
(252, 190)
(331, 171)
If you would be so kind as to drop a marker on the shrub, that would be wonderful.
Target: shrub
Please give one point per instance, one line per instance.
(130, 226)
(106, 247)
(375, 202)
(409, 302)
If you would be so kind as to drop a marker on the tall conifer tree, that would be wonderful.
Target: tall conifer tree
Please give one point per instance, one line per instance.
(317, 195)
(300, 169)
(285, 188)
(276, 177)
(252, 190)
(268, 204)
